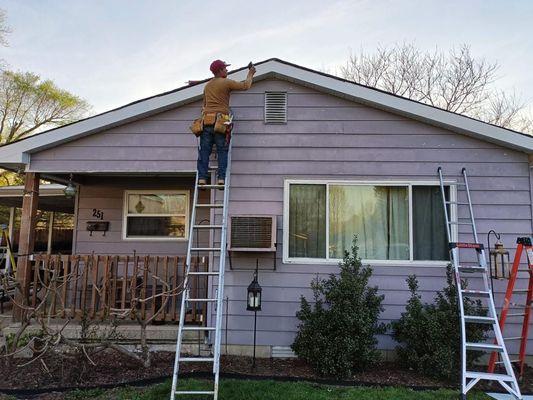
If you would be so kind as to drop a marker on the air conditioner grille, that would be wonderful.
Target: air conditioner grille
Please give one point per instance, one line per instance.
(251, 232)
(275, 107)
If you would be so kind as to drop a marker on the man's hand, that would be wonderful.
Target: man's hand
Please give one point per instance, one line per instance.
(251, 69)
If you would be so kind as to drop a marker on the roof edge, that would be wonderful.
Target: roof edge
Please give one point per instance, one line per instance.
(16, 153)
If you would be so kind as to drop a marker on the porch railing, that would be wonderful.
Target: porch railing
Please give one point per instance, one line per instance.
(127, 287)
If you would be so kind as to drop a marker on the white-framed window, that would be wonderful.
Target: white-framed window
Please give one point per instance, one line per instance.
(156, 215)
(396, 222)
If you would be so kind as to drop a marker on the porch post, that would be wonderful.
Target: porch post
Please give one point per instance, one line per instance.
(26, 239)
(50, 232)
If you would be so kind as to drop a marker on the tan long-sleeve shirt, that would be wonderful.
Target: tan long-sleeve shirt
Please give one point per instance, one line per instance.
(217, 93)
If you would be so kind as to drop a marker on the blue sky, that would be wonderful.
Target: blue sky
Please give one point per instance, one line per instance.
(115, 51)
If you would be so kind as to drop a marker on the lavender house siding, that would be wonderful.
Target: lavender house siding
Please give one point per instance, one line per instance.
(325, 137)
(150, 145)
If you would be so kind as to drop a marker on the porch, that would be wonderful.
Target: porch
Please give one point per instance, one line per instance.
(125, 288)
(129, 239)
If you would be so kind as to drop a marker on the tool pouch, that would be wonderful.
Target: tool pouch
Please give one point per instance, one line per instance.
(197, 127)
(220, 123)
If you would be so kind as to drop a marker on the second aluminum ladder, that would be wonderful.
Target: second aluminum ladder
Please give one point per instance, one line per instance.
(469, 377)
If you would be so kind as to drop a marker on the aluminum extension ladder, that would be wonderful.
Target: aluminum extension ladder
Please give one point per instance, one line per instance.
(470, 378)
(186, 299)
(523, 244)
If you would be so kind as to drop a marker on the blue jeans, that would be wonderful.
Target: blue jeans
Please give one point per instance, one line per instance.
(207, 139)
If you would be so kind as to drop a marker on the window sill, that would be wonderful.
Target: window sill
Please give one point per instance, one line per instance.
(373, 263)
(154, 239)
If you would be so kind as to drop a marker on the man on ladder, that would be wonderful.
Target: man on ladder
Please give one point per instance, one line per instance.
(215, 118)
(213, 128)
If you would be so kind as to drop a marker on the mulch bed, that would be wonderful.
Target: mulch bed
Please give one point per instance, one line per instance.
(67, 370)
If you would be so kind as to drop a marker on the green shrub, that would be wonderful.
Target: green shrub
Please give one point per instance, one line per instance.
(429, 334)
(336, 335)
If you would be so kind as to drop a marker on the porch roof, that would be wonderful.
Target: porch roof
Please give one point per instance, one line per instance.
(51, 198)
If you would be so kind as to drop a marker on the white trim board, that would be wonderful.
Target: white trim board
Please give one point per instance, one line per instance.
(17, 153)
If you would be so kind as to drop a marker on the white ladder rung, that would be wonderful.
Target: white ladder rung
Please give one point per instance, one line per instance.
(204, 273)
(207, 226)
(198, 328)
(480, 320)
(488, 376)
(210, 205)
(211, 186)
(513, 338)
(194, 392)
(197, 359)
(475, 293)
(471, 269)
(483, 346)
(199, 300)
(459, 223)
(205, 248)
(459, 203)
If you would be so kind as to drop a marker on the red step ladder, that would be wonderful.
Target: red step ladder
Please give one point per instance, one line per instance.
(524, 243)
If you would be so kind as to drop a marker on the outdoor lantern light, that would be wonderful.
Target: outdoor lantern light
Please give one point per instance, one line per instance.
(70, 190)
(499, 261)
(254, 295)
(253, 303)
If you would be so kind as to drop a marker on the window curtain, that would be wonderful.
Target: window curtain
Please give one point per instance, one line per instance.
(429, 234)
(307, 221)
(378, 215)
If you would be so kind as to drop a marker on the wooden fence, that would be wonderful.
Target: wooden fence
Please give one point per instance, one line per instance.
(129, 287)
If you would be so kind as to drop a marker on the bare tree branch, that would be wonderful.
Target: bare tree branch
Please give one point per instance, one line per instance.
(456, 82)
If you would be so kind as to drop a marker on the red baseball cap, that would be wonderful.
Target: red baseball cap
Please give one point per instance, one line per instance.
(217, 65)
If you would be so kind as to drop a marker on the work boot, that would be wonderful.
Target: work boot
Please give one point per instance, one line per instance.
(202, 182)
(221, 181)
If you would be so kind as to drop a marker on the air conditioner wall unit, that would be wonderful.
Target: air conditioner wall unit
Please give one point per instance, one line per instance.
(254, 233)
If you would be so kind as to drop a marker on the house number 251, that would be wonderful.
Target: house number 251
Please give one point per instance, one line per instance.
(98, 213)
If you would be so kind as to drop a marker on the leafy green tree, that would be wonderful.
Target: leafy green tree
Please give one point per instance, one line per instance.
(29, 104)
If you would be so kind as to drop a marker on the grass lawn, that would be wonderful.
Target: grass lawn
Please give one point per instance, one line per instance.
(271, 390)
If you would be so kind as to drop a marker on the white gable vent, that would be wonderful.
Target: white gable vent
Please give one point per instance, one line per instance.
(252, 233)
(275, 107)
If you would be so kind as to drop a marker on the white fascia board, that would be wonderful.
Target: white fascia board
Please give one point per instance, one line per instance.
(408, 108)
